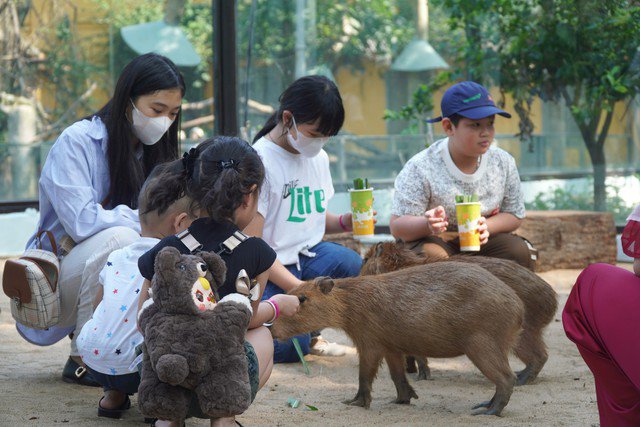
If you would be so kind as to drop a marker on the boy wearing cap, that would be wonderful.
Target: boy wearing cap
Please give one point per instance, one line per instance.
(465, 162)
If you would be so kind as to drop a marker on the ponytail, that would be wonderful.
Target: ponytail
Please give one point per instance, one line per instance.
(227, 169)
(268, 126)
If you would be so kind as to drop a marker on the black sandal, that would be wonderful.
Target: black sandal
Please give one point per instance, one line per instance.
(77, 374)
(114, 413)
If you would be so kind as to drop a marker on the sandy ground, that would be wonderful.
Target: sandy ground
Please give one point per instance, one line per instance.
(32, 393)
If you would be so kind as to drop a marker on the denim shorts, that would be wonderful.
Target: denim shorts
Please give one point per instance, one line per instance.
(127, 383)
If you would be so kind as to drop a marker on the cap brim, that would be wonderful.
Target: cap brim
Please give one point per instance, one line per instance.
(43, 337)
(482, 112)
(437, 119)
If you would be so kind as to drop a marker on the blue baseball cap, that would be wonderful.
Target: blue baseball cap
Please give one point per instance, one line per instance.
(470, 100)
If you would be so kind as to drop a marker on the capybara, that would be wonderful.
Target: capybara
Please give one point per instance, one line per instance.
(538, 297)
(442, 310)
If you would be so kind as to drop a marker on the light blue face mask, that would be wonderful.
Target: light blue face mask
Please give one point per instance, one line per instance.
(306, 146)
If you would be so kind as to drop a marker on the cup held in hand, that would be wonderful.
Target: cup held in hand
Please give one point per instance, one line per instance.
(362, 212)
(468, 215)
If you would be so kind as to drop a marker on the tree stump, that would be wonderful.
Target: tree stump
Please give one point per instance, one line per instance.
(570, 239)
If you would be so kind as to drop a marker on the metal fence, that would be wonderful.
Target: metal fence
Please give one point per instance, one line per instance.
(378, 158)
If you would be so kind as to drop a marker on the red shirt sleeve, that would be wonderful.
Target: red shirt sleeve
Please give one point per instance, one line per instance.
(631, 239)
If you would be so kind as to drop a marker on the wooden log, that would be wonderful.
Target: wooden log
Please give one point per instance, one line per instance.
(570, 239)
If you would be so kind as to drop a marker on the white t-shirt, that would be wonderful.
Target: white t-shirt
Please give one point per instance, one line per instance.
(293, 199)
(430, 178)
(107, 341)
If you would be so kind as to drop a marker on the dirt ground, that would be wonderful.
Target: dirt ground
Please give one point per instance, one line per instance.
(32, 393)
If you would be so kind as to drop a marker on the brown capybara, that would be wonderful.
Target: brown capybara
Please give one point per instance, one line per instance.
(538, 297)
(442, 310)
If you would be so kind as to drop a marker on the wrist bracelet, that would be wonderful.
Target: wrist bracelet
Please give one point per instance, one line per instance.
(276, 311)
(341, 224)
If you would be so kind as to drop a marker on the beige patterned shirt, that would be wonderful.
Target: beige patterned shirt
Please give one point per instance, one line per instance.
(430, 178)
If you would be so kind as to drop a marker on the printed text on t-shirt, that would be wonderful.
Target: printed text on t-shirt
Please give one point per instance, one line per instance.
(301, 203)
(286, 188)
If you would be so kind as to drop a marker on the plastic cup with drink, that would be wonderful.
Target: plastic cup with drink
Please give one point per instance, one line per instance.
(468, 214)
(361, 197)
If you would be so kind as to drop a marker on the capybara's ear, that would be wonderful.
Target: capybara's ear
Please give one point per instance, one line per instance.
(216, 265)
(379, 249)
(325, 284)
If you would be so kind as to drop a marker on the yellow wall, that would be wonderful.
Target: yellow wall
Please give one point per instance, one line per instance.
(90, 35)
(364, 97)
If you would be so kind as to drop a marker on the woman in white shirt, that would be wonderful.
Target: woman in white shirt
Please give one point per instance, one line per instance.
(292, 209)
(89, 187)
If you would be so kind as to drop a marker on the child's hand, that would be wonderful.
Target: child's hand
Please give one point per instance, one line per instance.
(288, 304)
(483, 230)
(437, 220)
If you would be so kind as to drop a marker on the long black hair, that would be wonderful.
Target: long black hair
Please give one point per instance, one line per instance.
(144, 75)
(310, 98)
(215, 175)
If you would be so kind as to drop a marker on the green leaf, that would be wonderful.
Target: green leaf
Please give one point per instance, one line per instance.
(294, 403)
(305, 365)
(311, 408)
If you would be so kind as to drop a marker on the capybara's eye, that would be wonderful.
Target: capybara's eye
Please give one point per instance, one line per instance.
(199, 296)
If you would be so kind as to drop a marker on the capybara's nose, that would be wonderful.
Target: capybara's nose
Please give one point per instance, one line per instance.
(302, 298)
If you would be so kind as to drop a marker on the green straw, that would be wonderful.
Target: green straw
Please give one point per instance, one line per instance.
(296, 344)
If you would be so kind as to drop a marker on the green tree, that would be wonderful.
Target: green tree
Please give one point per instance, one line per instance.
(346, 33)
(579, 52)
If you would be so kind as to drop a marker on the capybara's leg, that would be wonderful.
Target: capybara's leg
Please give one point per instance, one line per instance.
(396, 369)
(411, 364)
(492, 360)
(369, 364)
(531, 349)
(424, 373)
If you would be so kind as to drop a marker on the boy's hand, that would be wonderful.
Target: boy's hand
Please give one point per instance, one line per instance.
(288, 304)
(437, 220)
(483, 230)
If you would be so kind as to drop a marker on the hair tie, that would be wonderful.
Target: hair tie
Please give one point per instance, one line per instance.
(226, 164)
(189, 160)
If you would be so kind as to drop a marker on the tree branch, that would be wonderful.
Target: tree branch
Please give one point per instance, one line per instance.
(605, 128)
(61, 122)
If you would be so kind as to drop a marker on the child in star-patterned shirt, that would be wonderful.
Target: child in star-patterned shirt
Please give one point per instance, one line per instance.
(107, 342)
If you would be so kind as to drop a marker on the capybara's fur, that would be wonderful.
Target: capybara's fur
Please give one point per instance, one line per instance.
(538, 297)
(443, 310)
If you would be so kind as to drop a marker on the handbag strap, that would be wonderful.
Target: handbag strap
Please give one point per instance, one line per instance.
(227, 246)
(52, 240)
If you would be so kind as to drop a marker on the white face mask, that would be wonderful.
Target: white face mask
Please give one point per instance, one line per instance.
(149, 130)
(306, 146)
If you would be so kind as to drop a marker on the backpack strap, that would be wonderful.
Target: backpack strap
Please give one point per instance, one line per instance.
(189, 241)
(232, 242)
(227, 246)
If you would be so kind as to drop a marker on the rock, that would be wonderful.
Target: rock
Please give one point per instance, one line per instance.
(570, 239)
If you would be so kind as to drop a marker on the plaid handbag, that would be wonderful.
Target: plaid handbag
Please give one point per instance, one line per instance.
(31, 282)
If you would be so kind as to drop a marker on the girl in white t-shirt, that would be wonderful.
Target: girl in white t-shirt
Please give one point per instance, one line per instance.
(108, 340)
(292, 209)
